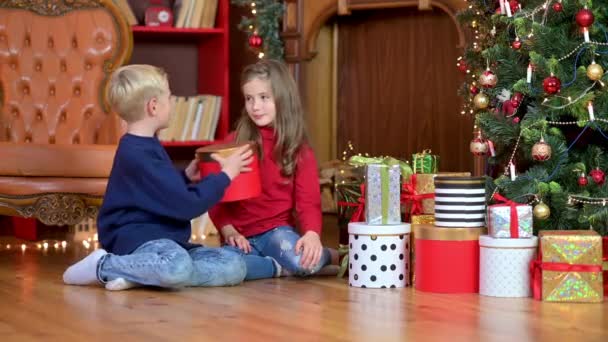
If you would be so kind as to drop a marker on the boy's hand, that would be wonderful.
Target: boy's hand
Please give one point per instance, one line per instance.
(235, 239)
(309, 245)
(237, 162)
(192, 171)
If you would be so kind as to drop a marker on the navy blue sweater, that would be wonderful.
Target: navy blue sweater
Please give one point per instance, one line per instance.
(147, 198)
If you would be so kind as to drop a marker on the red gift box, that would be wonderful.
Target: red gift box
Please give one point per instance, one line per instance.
(159, 16)
(447, 259)
(246, 185)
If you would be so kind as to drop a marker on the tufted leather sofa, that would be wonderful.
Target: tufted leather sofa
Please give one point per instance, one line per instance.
(57, 136)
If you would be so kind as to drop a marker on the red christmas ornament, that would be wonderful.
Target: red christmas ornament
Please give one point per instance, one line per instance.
(474, 90)
(507, 108)
(551, 85)
(488, 79)
(255, 41)
(582, 180)
(516, 99)
(541, 151)
(516, 119)
(584, 18)
(516, 45)
(514, 4)
(557, 7)
(462, 65)
(598, 176)
(478, 145)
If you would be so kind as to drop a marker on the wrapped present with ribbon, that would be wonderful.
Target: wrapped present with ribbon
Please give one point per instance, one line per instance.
(418, 192)
(568, 267)
(382, 189)
(423, 219)
(425, 162)
(509, 219)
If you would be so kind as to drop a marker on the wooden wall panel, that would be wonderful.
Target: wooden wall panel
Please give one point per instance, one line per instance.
(320, 100)
(397, 85)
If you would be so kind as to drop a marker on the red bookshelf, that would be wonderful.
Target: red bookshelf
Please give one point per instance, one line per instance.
(172, 31)
(197, 61)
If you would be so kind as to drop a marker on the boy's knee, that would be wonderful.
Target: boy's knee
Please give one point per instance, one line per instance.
(177, 272)
(234, 269)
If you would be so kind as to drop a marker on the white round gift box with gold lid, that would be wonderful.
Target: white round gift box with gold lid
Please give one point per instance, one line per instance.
(378, 255)
(504, 266)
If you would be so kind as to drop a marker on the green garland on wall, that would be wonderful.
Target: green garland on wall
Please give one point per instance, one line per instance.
(262, 27)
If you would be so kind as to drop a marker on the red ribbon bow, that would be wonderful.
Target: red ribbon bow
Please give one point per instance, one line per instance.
(410, 195)
(536, 274)
(360, 204)
(514, 224)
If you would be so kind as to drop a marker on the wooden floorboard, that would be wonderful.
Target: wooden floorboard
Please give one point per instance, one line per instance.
(36, 306)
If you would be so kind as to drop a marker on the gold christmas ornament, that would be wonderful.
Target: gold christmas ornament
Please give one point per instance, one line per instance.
(541, 151)
(541, 211)
(481, 101)
(595, 71)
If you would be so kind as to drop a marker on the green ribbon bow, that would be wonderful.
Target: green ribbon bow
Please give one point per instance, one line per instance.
(385, 163)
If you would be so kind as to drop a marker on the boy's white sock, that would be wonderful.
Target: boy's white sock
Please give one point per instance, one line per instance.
(84, 272)
(120, 284)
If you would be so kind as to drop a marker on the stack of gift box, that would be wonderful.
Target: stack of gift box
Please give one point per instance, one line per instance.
(379, 247)
(450, 250)
(558, 266)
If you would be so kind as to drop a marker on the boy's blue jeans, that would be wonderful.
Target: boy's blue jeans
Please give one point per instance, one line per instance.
(278, 244)
(165, 263)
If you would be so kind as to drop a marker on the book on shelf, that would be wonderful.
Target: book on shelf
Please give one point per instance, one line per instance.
(196, 14)
(194, 118)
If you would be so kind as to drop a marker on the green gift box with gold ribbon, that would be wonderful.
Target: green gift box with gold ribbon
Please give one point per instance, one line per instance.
(382, 188)
(425, 162)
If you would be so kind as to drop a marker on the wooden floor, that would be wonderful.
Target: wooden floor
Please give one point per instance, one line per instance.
(35, 305)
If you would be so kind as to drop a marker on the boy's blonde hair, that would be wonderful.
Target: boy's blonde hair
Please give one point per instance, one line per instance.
(131, 86)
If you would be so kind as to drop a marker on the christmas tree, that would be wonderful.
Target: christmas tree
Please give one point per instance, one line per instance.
(534, 79)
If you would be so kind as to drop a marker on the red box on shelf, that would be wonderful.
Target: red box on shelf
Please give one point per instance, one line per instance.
(447, 259)
(159, 16)
(246, 185)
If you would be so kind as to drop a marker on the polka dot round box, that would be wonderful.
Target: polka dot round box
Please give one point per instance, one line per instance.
(504, 266)
(378, 255)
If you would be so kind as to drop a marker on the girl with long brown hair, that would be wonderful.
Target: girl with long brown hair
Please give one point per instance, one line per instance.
(263, 228)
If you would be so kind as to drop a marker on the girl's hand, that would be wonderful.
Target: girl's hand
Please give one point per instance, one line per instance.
(235, 239)
(309, 245)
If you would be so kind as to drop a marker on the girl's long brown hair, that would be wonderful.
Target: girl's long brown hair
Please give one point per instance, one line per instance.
(289, 125)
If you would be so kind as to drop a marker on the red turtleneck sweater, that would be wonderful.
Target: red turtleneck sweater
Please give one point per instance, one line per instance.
(280, 196)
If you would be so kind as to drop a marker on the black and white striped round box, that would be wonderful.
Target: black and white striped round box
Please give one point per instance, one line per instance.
(460, 202)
